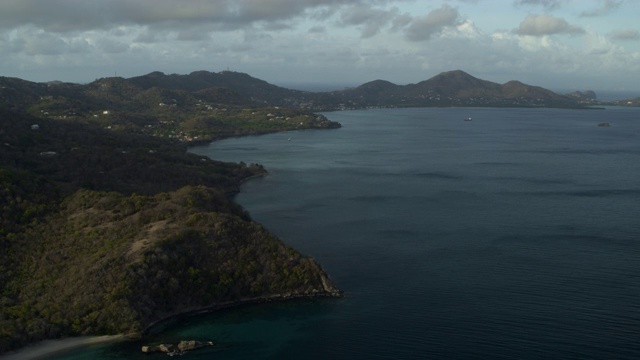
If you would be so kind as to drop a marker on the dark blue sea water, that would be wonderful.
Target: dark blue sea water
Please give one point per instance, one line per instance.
(512, 236)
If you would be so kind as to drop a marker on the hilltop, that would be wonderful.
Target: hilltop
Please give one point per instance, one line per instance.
(201, 106)
(453, 88)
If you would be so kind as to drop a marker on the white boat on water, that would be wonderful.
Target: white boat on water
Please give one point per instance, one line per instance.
(467, 119)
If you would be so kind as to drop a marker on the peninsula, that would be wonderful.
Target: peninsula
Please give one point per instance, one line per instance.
(109, 226)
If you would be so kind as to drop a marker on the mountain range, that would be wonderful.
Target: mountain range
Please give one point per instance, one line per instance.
(452, 88)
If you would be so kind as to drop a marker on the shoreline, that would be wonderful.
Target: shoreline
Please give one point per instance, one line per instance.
(42, 350)
(46, 348)
(149, 329)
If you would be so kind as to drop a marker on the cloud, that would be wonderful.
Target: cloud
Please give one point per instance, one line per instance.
(463, 30)
(33, 42)
(547, 4)
(111, 46)
(51, 15)
(606, 7)
(317, 30)
(369, 19)
(401, 21)
(628, 34)
(423, 28)
(149, 37)
(74, 15)
(338, 41)
(541, 25)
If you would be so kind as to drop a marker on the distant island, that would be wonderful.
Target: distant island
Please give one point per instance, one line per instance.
(110, 226)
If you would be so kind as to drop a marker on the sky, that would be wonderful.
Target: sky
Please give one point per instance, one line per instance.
(556, 44)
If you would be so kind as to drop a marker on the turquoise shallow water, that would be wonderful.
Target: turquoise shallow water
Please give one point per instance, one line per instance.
(512, 236)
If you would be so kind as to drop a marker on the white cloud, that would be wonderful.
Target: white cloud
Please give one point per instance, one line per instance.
(465, 29)
(541, 25)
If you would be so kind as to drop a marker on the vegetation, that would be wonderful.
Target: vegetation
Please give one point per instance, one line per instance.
(190, 108)
(107, 263)
(108, 224)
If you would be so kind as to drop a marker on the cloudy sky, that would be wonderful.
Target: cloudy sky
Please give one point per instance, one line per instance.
(557, 44)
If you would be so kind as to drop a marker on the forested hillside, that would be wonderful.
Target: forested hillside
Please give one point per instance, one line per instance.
(108, 224)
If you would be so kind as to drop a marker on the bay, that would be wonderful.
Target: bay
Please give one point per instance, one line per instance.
(511, 236)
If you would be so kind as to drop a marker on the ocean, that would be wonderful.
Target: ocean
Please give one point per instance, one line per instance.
(511, 236)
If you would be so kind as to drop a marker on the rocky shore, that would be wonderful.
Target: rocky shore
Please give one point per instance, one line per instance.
(330, 291)
(176, 349)
(44, 349)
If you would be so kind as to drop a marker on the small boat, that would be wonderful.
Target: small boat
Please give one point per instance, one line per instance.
(467, 119)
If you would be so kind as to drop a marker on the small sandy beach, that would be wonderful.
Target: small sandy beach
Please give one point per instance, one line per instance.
(47, 348)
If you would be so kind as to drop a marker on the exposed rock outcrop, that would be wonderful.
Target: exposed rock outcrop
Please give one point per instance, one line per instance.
(182, 346)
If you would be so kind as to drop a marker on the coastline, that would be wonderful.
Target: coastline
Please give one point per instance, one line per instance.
(43, 349)
(332, 293)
